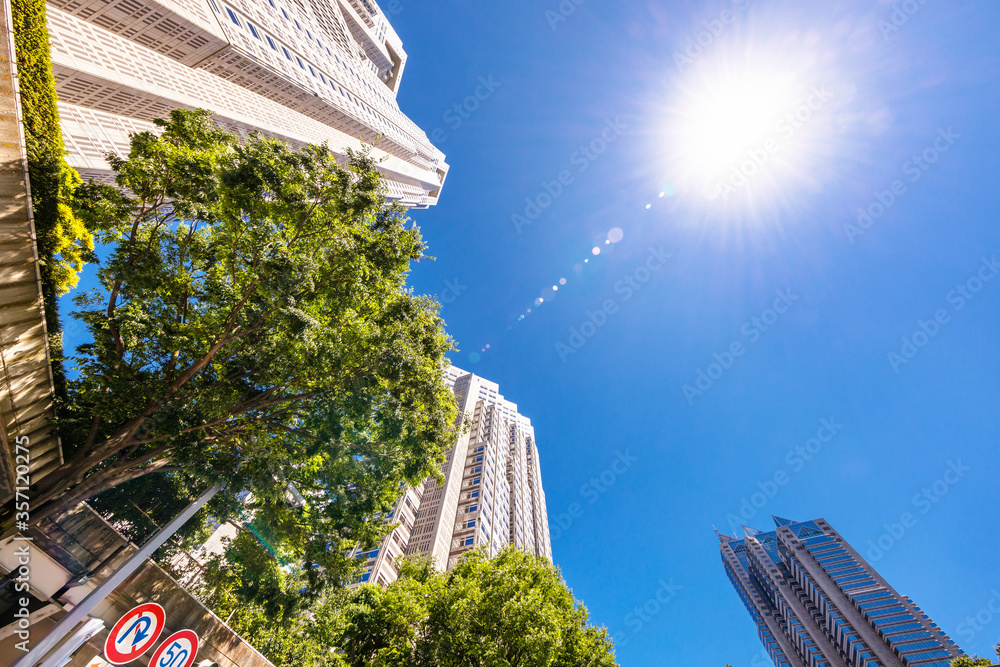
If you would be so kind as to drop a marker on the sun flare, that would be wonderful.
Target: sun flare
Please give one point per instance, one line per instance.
(745, 125)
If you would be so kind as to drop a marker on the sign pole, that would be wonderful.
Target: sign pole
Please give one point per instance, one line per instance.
(96, 596)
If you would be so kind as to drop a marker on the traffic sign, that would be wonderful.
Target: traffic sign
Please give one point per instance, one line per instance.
(134, 633)
(177, 650)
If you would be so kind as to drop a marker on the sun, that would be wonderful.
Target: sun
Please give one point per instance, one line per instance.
(722, 120)
(751, 125)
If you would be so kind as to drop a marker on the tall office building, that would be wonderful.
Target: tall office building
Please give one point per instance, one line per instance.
(818, 603)
(304, 71)
(492, 492)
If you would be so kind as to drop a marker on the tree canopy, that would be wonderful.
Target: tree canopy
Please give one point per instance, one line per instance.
(513, 610)
(975, 661)
(251, 325)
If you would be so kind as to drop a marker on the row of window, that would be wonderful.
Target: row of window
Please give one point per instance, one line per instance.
(261, 36)
(910, 636)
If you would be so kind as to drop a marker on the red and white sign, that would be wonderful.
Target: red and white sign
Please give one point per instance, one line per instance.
(177, 650)
(134, 633)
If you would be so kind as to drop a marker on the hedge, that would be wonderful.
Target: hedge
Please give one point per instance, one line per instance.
(64, 244)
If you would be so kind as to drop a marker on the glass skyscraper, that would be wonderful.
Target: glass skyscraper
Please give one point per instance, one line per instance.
(818, 603)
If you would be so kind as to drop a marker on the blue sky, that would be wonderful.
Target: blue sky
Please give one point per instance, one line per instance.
(681, 378)
(904, 127)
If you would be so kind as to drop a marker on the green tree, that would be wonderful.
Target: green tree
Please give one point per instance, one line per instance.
(513, 610)
(252, 325)
(140, 507)
(262, 600)
(975, 661)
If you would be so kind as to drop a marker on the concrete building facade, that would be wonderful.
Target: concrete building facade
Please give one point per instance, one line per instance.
(818, 603)
(492, 493)
(304, 71)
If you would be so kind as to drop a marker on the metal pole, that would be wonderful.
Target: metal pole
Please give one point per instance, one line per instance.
(64, 653)
(96, 596)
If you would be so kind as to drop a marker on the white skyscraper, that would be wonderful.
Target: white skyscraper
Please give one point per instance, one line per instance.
(492, 493)
(304, 71)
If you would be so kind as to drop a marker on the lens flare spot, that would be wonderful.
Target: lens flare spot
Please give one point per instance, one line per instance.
(616, 235)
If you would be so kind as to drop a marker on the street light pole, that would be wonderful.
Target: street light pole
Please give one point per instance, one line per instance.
(96, 596)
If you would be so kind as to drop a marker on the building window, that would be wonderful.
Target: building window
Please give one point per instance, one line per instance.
(233, 16)
(253, 30)
(271, 42)
(287, 54)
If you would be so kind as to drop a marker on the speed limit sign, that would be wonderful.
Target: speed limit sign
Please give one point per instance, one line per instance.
(177, 650)
(134, 633)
